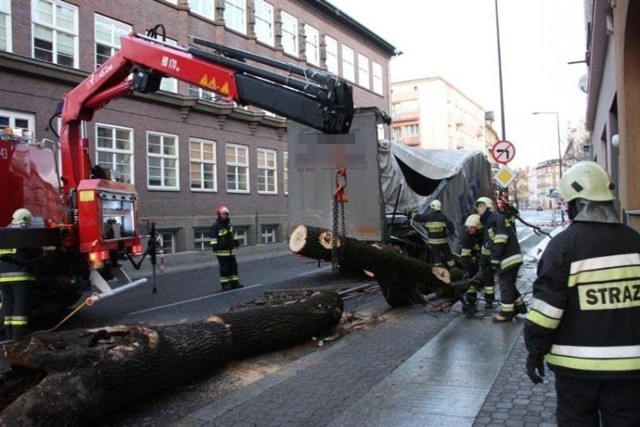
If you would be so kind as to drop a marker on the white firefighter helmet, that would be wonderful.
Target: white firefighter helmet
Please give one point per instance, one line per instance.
(473, 220)
(22, 217)
(436, 205)
(587, 180)
(486, 201)
(221, 210)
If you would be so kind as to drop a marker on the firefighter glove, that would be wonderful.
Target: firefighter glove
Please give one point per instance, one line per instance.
(535, 367)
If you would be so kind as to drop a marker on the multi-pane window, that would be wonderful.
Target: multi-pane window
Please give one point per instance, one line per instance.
(202, 161)
(267, 171)
(201, 238)
(5, 25)
(331, 51)
(312, 44)
(285, 167)
(363, 71)
(242, 235)
(289, 33)
(264, 22)
(203, 94)
(114, 150)
(162, 161)
(107, 35)
(411, 130)
(348, 63)
(19, 121)
(167, 240)
(269, 233)
(237, 159)
(376, 74)
(55, 32)
(235, 15)
(203, 8)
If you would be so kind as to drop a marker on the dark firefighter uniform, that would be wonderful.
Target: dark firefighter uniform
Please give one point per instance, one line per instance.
(585, 315)
(223, 243)
(16, 282)
(470, 244)
(488, 275)
(438, 227)
(506, 259)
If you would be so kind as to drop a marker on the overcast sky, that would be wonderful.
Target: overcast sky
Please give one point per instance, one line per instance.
(456, 40)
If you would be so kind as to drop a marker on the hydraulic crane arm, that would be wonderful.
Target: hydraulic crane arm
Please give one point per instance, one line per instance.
(319, 100)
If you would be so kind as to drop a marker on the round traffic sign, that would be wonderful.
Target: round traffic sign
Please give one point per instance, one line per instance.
(503, 151)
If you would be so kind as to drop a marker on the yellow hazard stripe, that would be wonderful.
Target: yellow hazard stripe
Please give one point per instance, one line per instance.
(8, 251)
(604, 275)
(541, 320)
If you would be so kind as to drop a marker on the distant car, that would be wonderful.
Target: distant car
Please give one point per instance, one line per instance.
(539, 208)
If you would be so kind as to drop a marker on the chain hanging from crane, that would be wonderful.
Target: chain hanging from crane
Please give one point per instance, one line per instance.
(339, 199)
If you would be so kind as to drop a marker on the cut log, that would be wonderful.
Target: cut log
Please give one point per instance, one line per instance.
(87, 375)
(403, 279)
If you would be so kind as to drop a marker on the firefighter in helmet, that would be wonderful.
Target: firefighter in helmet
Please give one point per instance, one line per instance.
(484, 208)
(439, 228)
(17, 280)
(224, 243)
(585, 311)
(470, 243)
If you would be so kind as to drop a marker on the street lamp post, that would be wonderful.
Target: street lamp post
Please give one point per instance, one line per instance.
(559, 144)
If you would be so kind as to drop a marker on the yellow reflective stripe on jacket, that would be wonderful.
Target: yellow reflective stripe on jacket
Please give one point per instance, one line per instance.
(226, 252)
(442, 241)
(213, 241)
(612, 359)
(510, 261)
(500, 238)
(16, 277)
(542, 320)
(485, 251)
(605, 262)
(465, 252)
(8, 251)
(605, 275)
(16, 320)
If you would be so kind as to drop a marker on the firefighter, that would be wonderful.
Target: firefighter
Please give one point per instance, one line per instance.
(17, 280)
(224, 243)
(585, 311)
(470, 243)
(509, 211)
(438, 227)
(484, 208)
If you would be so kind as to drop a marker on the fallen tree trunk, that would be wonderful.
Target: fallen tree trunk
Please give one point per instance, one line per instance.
(89, 374)
(403, 279)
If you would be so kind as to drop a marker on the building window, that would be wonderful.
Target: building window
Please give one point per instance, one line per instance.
(237, 159)
(20, 121)
(348, 64)
(267, 171)
(202, 8)
(107, 35)
(242, 235)
(167, 241)
(331, 55)
(114, 150)
(285, 168)
(235, 15)
(289, 33)
(201, 238)
(312, 44)
(376, 73)
(203, 165)
(203, 94)
(269, 234)
(264, 22)
(5, 25)
(162, 161)
(363, 71)
(55, 32)
(411, 130)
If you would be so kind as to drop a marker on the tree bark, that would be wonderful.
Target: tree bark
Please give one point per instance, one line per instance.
(88, 374)
(403, 279)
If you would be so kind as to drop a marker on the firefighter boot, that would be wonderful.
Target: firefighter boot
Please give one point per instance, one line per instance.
(471, 305)
(520, 307)
(504, 316)
(489, 300)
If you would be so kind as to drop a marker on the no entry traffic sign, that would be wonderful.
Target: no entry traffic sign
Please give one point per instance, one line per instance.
(503, 152)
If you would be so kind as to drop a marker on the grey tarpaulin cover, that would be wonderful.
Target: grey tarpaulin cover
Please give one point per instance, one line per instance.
(413, 177)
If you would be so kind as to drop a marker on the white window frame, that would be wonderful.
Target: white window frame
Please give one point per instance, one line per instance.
(264, 22)
(15, 115)
(205, 95)
(113, 151)
(312, 44)
(203, 8)
(199, 163)
(363, 71)
(285, 170)
(376, 74)
(348, 63)
(331, 55)
(268, 234)
(164, 158)
(201, 239)
(289, 33)
(6, 42)
(235, 15)
(56, 30)
(267, 171)
(234, 167)
(115, 29)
